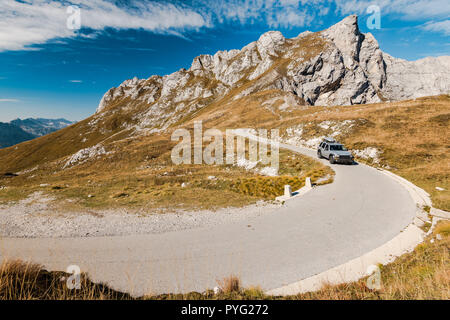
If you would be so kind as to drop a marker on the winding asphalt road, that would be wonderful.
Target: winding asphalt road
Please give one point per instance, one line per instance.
(326, 227)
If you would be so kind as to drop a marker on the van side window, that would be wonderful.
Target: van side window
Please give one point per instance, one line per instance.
(327, 147)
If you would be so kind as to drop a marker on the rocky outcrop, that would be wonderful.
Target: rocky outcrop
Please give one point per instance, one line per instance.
(338, 66)
(414, 79)
(350, 70)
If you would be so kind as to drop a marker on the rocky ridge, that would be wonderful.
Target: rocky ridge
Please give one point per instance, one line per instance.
(337, 66)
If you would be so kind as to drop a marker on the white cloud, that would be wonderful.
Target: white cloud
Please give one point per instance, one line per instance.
(438, 26)
(9, 100)
(275, 13)
(296, 13)
(406, 9)
(432, 10)
(303, 12)
(289, 19)
(76, 81)
(23, 24)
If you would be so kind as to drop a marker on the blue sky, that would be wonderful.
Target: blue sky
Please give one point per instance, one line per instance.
(48, 69)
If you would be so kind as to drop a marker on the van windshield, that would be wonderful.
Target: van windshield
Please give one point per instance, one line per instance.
(337, 147)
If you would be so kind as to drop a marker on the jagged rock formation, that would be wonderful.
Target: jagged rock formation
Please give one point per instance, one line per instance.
(413, 79)
(338, 66)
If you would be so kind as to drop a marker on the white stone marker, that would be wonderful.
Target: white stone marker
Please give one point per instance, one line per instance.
(287, 191)
(308, 183)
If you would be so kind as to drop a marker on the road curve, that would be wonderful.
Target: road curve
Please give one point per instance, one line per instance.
(330, 225)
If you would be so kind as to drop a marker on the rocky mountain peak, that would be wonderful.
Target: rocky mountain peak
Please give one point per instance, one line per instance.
(337, 66)
(347, 38)
(347, 26)
(269, 43)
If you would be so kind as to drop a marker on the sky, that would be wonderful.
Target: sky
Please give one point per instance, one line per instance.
(58, 58)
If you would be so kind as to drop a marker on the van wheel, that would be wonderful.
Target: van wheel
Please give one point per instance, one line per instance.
(319, 154)
(332, 159)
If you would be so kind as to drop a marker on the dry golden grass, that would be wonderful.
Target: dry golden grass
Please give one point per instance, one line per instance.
(140, 176)
(230, 285)
(26, 281)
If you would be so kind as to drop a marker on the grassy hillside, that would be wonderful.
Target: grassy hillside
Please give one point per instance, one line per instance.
(139, 174)
(134, 167)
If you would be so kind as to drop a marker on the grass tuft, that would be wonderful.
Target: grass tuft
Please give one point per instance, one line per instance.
(230, 285)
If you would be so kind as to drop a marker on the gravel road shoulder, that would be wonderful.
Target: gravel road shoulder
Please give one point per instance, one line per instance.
(36, 217)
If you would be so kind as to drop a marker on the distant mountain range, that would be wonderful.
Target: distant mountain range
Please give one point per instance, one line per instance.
(18, 130)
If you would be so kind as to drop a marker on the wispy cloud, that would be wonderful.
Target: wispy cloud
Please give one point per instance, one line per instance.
(435, 11)
(438, 26)
(406, 9)
(288, 13)
(274, 13)
(9, 100)
(23, 24)
(76, 81)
